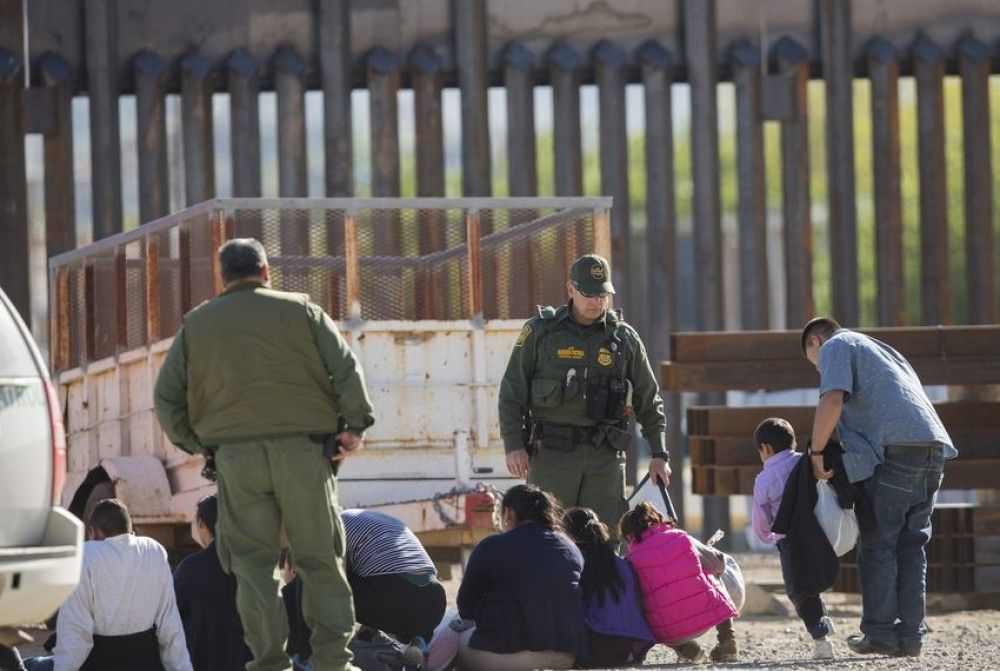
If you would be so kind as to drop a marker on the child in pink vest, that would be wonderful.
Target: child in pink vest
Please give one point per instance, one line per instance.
(680, 599)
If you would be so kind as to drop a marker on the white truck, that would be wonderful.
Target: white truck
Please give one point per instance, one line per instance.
(430, 293)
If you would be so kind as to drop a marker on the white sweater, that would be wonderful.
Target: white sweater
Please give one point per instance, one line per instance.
(125, 588)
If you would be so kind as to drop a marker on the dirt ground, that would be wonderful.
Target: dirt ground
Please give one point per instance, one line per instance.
(959, 639)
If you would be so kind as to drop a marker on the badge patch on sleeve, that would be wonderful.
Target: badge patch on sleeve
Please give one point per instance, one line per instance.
(604, 356)
(570, 353)
(522, 336)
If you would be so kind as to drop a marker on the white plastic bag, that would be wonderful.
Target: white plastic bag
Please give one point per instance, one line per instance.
(839, 525)
(732, 580)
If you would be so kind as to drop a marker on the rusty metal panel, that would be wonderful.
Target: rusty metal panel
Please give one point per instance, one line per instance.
(883, 65)
(60, 212)
(934, 279)
(14, 276)
(661, 209)
(699, 28)
(105, 143)
(609, 63)
(838, 73)
(751, 212)
(470, 49)
(796, 203)
(564, 65)
(151, 130)
(334, 33)
(980, 263)
(243, 79)
(196, 111)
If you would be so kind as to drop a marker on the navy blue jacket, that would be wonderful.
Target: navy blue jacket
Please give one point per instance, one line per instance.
(206, 599)
(522, 588)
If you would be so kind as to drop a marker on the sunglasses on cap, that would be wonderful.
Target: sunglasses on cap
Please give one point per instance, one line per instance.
(602, 295)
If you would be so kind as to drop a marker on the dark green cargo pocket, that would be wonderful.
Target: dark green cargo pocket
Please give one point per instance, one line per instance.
(546, 393)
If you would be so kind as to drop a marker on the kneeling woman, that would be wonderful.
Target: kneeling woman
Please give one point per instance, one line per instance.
(522, 588)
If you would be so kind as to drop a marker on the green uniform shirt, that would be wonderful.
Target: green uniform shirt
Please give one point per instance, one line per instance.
(551, 351)
(254, 362)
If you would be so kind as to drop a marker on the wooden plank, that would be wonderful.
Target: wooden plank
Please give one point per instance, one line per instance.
(470, 55)
(883, 70)
(756, 345)
(14, 272)
(721, 421)
(105, 142)
(609, 64)
(334, 46)
(980, 293)
(751, 212)
(699, 32)
(661, 209)
(935, 285)
(838, 73)
(793, 66)
(773, 375)
(60, 209)
(243, 82)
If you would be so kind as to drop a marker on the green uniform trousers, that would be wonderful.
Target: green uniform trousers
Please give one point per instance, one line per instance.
(589, 476)
(265, 485)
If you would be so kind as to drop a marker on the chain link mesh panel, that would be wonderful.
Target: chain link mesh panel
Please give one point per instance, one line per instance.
(412, 262)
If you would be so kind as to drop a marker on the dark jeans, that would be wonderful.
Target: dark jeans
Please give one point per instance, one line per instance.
(809, 607)
(39, 664)
(393, 604)
(891, 560)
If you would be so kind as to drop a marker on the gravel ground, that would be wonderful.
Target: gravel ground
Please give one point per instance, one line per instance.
(960, 639)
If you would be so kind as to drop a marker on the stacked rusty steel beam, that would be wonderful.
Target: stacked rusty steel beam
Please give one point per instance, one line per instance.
(724, 458)
(963, 555)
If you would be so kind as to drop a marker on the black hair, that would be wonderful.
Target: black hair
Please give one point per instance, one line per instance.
(635, 522)
(241, 258)
(600, 577)
(110, 517)
(531, 504)
(776, 432)
(824, 326)
(208, 512)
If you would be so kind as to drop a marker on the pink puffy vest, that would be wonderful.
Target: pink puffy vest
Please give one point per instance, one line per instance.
(679, 599)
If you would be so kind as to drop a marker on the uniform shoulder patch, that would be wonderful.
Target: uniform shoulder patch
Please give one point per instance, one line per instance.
(523, 335)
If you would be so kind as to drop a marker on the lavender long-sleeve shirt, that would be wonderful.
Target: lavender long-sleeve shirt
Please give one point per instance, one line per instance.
(767, 489)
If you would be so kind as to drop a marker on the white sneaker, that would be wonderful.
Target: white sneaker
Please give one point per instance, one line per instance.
(823, 649)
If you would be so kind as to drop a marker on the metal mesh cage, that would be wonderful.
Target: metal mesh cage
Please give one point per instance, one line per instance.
(371, 259)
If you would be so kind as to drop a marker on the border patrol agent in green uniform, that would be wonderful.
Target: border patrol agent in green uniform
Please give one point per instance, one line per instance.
(575, 376)
(262, 380)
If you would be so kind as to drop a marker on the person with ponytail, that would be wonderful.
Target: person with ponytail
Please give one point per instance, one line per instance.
(680, 598)
(522, 589)
(617, 631)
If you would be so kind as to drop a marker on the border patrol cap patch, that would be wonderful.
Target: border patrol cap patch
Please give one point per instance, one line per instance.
(604, 357)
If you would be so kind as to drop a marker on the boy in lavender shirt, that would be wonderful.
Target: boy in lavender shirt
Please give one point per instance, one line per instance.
(775, 440)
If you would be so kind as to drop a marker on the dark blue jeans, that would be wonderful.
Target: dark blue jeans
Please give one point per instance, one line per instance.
(809, 607)
(891, 558)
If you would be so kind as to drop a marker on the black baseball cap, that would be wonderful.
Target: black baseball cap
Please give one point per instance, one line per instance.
(591, 274)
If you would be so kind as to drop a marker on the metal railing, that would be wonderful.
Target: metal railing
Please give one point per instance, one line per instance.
(360, 259)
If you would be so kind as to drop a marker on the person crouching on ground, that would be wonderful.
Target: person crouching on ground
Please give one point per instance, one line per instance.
(617, 631)
(680, 598)
(775, 440)
(522, 588)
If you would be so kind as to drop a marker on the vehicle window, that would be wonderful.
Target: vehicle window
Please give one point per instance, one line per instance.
(15, 357)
